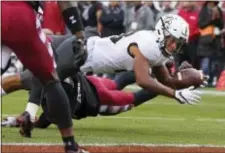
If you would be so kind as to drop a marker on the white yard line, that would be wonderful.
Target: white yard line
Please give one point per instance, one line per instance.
(166, 118)
(150, 118)
(210, 120)
(119, 144)
(143, 118)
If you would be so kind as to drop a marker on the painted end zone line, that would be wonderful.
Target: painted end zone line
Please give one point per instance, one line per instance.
(121, 144)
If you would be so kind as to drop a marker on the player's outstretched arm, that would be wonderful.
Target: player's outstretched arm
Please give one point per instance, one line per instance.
(162, 74)
(141, 69)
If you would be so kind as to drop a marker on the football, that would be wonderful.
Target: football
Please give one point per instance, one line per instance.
(188, 77)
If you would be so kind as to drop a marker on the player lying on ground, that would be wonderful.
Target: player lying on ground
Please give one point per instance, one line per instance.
(110, 100)
(22, 35)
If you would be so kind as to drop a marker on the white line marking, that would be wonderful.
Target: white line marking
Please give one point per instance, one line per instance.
(149, 118)
(143, 118)
(165, 118)
(120, 144)
(210, 120)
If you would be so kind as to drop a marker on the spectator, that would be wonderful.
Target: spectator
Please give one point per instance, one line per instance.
(152, 7)
(210, 23)
(93, 13)
(53, 22)
(127, 9)
(112, 18)
(190, 13)
(166, 8)
(139, 17)
(84, 7)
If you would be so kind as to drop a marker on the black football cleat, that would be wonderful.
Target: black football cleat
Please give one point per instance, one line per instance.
(26, 126)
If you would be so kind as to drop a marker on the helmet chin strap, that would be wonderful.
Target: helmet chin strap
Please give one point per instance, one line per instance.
(168, 51)
(165, 52)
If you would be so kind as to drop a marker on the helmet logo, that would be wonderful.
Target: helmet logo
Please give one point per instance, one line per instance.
(167, 21)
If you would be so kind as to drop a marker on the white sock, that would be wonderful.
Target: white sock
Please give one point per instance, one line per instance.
(32, 109)
(3, 93)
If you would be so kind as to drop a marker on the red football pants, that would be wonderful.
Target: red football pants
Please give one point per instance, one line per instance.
(112, 101)
(21, 32)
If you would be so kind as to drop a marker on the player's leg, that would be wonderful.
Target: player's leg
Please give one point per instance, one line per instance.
(19, 81)
(123, 79)
(141, 96)
(114, 101)
(111, 101)
(10, 84)
(43, 121)
(109, 84)
(5, 58)
(27, 118)
(34, 55)
(65, 68)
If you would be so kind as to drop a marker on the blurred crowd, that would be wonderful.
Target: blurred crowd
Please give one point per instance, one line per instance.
(206, 48)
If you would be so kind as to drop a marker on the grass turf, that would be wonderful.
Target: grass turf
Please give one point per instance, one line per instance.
(159, 121)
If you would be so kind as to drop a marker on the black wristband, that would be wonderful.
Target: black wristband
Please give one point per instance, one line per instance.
(72, 19)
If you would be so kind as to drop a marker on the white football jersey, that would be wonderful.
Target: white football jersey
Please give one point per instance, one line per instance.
(106, 56)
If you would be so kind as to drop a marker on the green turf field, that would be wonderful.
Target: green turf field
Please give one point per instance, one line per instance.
(160, 121)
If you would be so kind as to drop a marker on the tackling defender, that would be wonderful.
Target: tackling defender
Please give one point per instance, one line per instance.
(110, 100)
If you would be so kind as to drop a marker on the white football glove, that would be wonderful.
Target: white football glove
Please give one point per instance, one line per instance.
(9, 122)
(188, 95)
